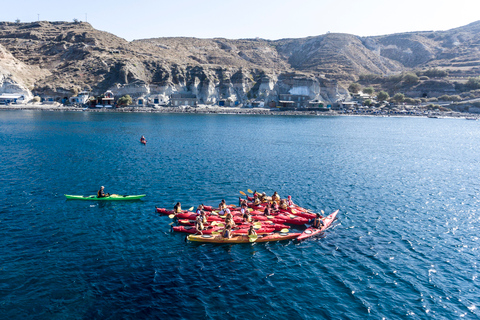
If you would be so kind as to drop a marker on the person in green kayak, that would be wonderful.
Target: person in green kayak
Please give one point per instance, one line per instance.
(317, 222)
(101, 193)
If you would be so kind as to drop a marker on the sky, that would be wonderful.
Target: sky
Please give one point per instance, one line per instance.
(234, 19)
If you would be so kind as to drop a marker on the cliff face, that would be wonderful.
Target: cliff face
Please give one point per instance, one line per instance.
(60, 58)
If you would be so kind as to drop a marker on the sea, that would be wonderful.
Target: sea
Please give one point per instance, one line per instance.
(405, 244)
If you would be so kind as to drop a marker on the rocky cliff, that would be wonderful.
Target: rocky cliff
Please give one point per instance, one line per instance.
(60, 59)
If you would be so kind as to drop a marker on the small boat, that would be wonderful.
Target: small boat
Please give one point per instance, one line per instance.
(242, 238)
(310, 232)
(113, 197)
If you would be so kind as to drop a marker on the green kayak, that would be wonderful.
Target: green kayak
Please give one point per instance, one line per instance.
(113, 197)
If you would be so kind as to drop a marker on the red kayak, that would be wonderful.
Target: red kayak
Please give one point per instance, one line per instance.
(293, 219)
(313, 231)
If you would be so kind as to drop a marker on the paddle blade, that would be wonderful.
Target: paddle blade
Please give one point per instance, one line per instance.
(220, 225)
(214, 223)
(190, 209)
(270, 217)
(284, 230)
(323, 212)
(171, 216)
(215, 233)
(250, 191)
(250, 209)
(257, 226)
(243, 193)
(252, 237)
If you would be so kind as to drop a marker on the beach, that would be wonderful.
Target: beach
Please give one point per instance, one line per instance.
(209, 109)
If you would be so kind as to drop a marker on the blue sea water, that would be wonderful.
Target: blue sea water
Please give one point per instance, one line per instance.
(405, 244)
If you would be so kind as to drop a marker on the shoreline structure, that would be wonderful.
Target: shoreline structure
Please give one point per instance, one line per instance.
(204, 109)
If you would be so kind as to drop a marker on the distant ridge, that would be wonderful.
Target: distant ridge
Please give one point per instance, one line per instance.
(61, 58)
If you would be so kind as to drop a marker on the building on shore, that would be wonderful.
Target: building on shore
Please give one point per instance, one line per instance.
(294, 100)
(183, 99)
(81, 98)
(7, 98)
(108, 99)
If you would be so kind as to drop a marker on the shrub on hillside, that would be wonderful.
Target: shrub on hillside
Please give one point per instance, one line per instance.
(435, 73)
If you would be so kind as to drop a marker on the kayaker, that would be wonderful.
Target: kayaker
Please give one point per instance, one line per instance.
(222, 205)
(143, 140)
(228, 213)
(283, 204)
(267, 211)
(227, 233)
(101, 193)
(317, 222)
(275, 197)
(230, 222)
(290, 202)
(199, 223)
(177, 208)
(274, 207)
(263, 197)
(256, 200)
(199, 209)
(246, 216)
(251, 231)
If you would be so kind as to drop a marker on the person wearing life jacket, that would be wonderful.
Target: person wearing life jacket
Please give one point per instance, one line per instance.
(317, 222)
(177, 208)
(227, 232)
(246, 216)
(229, 222)
(274, 207)
(199, 222)
(290, 202)
(256, 200)
(228, 213)
(283, 204)
(275, 197)
(101, 193)
(267, 211)
(263, 197)
(222, 205)
(199, 209)
(251, 231)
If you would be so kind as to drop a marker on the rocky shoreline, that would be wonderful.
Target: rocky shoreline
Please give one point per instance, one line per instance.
(227, 110)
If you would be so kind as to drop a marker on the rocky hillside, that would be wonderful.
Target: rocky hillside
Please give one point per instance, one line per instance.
(60, 59)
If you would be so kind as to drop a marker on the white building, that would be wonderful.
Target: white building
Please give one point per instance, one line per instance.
(7, 98)
(82, 98)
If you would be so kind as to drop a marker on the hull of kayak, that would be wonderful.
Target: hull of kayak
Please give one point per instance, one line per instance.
(242, 239)
(310, 232)
(109, 198)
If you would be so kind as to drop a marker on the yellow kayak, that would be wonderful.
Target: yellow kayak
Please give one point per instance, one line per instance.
(242, 238)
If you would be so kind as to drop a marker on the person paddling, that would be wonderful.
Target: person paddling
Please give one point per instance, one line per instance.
(101, 193)
(143, 140)
(227, 233)
(317, 222)
(177, 208)
(251, 231)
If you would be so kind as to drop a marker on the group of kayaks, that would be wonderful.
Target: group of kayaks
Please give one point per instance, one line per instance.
(276, 226)
(273, 227)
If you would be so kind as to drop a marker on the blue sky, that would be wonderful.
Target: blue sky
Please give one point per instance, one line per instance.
(234, 19)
